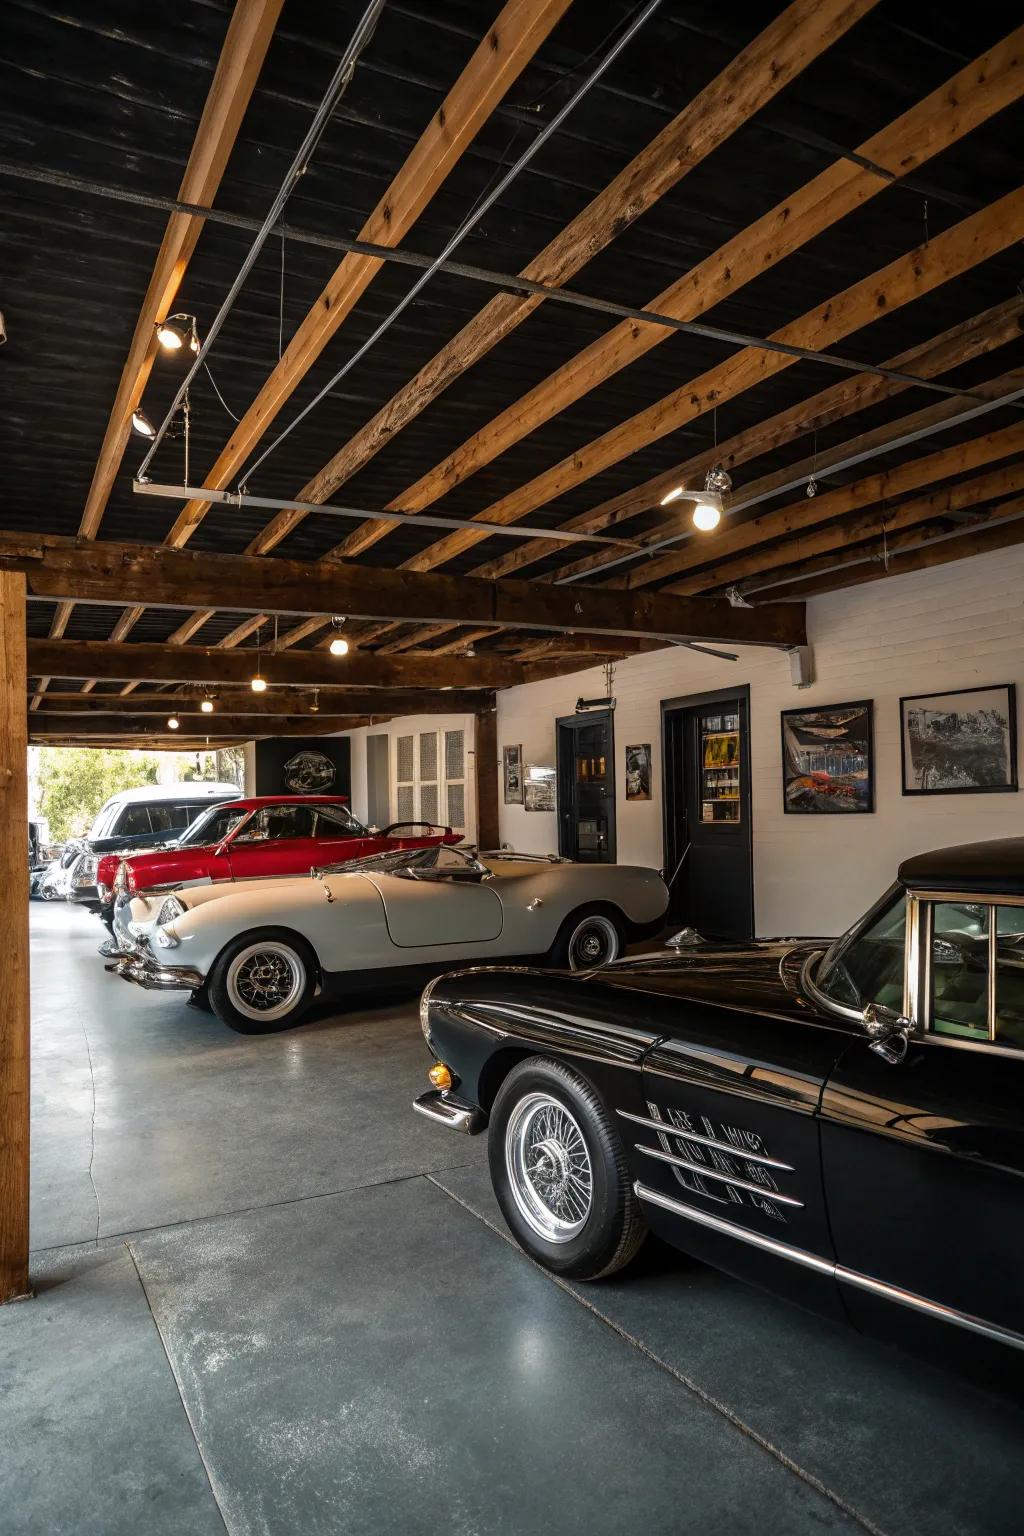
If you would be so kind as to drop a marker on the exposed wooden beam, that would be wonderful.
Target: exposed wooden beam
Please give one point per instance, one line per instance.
(956, 250)
(962, 343)
(279, 701)
(503, 53)
(305, 669)
(57, 723)
(104, 572)
(14, 960)
(980, 90)
(245, 46)
(833, 533)
(765, 67)
(786, 521)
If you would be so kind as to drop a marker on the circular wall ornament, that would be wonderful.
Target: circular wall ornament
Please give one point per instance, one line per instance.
(309, 772)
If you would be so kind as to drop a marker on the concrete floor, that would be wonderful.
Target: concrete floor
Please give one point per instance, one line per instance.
(271, 1299)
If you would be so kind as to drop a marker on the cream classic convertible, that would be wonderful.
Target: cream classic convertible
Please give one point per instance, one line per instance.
(259, 951)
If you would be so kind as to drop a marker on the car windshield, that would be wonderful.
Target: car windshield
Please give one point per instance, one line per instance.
(438, 859)
(213, 825)
(865, 965)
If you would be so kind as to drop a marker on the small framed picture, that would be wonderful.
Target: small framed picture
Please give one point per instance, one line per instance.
(960, 743)
(828, 766)
(512, 767)
(540, 788)
(638, 772)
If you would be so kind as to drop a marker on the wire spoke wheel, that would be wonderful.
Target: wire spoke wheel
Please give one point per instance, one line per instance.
(265, 981)
(549, 1169)
(594, 942)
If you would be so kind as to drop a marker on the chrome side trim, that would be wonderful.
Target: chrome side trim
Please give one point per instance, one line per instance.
(730, 1229)
(837, 1272)
(814, 992)
(667, 1127)
(705, 1172)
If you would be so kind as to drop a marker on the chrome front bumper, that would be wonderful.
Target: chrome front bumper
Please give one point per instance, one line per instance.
(144, 971)
(450, 1112)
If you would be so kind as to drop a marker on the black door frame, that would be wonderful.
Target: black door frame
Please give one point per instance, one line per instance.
(670, 789)
(566, 796)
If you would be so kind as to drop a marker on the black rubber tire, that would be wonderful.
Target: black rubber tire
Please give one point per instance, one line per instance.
(615, 1228)
(217, 991)
(559, 953)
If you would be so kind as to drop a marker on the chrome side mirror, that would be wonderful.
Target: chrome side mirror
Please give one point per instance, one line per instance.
(888, 1031)
(686, 938)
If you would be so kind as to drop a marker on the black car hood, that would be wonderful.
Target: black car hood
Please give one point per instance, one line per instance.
(760, 977)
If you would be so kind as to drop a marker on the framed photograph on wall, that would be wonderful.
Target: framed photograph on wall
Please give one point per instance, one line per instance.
(960, 743)
(828, 766)
(512, 769)
(540, 788)
(638, 772)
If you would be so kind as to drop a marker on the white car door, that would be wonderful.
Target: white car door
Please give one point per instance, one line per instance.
(425, 914)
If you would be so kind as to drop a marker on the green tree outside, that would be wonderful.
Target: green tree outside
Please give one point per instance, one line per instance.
(74, 782)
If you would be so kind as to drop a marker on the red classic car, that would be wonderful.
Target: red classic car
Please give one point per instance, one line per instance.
(267, 835)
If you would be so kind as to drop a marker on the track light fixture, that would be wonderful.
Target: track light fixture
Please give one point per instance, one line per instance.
(708, 502)
(176, 332)
(338, 646)
(173, 722)
(142, 424)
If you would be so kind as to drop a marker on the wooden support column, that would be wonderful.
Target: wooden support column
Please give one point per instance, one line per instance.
(485, 761)
(14, 1004)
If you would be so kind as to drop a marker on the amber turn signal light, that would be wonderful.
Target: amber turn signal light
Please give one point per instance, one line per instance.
(439, 1076)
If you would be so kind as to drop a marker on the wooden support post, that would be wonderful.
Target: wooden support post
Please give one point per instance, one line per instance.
(485, 759)
(14, 1004)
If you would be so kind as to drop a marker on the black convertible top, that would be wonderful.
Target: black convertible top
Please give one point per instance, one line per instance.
(990, 869)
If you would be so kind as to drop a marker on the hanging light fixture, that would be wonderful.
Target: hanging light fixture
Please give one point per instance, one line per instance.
(142, 424)
(708, 502)
(173, 722)
(178, 331)
(314, 708)
(338, 646)
(258, 684)
(207, 706)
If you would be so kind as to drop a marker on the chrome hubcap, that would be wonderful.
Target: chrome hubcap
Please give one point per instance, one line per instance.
(595, 942)
(266, 981)
(549, 1168)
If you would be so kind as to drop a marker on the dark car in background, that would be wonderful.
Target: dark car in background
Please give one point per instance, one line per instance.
(839, 1122)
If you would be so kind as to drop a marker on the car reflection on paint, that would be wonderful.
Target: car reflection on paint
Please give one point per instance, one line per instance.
(840, 1122)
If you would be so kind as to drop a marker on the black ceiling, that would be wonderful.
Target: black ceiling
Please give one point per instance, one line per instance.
(112, 91)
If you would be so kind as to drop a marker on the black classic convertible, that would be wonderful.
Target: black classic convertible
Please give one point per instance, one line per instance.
(843, 1123)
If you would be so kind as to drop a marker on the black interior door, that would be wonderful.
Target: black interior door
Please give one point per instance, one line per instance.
(707, 813)
(586, 788)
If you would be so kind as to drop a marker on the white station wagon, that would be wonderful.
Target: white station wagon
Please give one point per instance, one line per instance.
(259, 951)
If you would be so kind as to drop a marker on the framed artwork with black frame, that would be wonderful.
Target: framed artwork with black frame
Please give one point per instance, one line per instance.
(512, 766)
(828, 760)
(960, 742)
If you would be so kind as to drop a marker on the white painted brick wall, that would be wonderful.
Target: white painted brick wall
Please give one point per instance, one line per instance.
(958, 626)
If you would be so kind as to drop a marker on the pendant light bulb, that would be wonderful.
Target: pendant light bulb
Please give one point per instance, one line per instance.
(258, 684)
(142, 424)
(207, 706)
(170, 336)
(339, 647)
(173, 722)
(706, 515)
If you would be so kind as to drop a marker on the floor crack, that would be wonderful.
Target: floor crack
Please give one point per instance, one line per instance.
(92, 1131)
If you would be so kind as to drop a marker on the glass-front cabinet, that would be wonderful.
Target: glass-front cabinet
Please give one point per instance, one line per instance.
(720, 758)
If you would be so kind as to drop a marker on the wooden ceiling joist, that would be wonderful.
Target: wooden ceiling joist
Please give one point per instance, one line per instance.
(502, 55)
(979, 91)
(765, 67)
(61, 724)
(325, 702)
(961, 344)
(245, 46)
(121, 662)
(104, 572)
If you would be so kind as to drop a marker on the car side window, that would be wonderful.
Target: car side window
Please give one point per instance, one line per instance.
(134, 822)
(168, 818)
(1010, 976)
(960, 951)
(277, 822)
(335, 821)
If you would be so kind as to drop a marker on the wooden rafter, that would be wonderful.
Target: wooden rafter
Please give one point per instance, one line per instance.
(105, 572)
(241, 59)
(325, 702)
